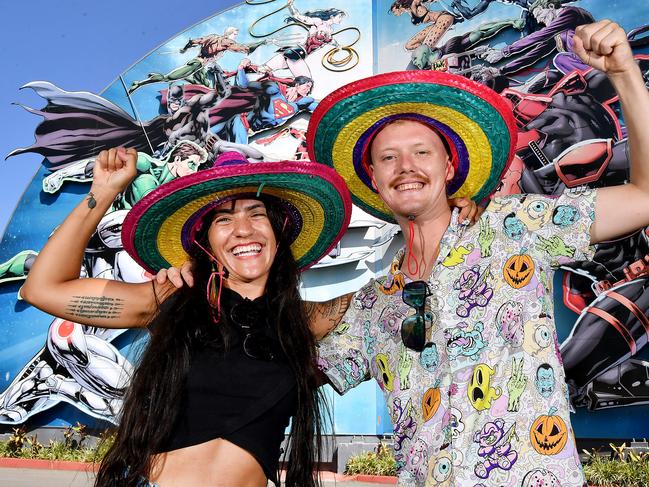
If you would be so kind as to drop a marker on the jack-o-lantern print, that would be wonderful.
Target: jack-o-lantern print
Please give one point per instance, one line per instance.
(549, 433)
(518, 270)
(430, 403)
(387, 377)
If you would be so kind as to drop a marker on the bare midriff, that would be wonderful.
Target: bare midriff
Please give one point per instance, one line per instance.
(213, 463)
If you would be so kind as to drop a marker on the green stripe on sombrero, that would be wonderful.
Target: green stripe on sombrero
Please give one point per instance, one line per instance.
(318, 226)
(474, 138)
(345, 110)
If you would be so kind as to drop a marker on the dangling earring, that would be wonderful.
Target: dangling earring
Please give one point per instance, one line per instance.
(213, 291)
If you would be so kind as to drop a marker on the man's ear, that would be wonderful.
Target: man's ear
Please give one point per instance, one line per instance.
(371, 168)
(450, 170)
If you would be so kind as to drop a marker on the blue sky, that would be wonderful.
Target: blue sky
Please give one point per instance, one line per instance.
(78, 45)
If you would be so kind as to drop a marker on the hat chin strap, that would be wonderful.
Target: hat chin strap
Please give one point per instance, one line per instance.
(411, 239)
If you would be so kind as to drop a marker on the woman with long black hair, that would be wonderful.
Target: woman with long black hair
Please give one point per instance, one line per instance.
(231, 360)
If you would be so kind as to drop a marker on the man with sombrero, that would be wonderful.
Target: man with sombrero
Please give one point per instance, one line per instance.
(457, 331)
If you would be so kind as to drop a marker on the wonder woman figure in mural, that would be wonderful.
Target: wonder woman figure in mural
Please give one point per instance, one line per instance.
(440, 22)
(196, 70)
(320, 24)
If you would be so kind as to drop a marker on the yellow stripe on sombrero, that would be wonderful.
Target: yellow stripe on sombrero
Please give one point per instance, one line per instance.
(169, 242)
(475, 140)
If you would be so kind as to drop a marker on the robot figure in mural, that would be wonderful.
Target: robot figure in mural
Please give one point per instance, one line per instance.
(572, 137)
(78, 364)
(320, 26)
(204, 68)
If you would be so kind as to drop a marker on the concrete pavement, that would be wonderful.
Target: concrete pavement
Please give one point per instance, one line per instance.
(23, 477)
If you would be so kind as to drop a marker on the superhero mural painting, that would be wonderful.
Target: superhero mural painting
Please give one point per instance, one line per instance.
(570, 134)
(244, 80)
(247, 80)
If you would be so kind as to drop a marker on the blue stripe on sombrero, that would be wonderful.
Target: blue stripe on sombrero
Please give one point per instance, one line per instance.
(347, 109)
(311, 187)
(461, 171)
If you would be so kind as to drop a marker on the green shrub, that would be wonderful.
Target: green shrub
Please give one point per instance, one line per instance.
(72, 448)
(624, 468)
(377, 462)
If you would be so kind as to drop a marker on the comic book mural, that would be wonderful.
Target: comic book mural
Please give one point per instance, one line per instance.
(247, 80)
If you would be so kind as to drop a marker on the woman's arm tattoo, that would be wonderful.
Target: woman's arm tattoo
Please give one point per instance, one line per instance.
(90, 307)
(327, 314)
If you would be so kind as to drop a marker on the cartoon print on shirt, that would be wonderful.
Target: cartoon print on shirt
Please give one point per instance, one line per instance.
(537, 337)
(462, 341)
(365, 298)
(516, 385)
(395, 280)
(387, 377)
(352, 366)
(455, 425)
(513, 227)
(369, 337)
(565, 215)
(403, 421)
(474, 290)
(417, 460)
(486, 237)
(390, 319)
(429, 357)
(430, 402)
(545, 380)
(509, 323)
(555, 246)
(457, 255)
(440, 469)
(540, 477)
(405, 364)
(480, 391)
(549, 433)
(535, 214)
(495, 446)
(519, 270)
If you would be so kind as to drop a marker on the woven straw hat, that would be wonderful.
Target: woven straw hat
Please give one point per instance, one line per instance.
(159, 230)
(475, 121)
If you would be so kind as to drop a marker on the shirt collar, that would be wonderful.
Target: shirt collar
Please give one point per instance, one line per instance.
(454, 232)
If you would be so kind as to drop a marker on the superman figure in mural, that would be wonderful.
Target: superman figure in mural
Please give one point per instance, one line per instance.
(278, 100)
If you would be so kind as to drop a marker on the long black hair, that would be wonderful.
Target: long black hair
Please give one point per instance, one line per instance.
(153, 399)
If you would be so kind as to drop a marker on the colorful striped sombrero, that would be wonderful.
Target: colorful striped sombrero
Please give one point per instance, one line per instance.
(475, 121)
(160, 228)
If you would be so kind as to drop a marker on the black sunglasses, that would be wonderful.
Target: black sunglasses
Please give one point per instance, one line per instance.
(413, 328)
(256, 343)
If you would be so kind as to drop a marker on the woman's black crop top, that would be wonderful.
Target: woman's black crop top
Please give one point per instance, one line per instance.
(230, 395)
